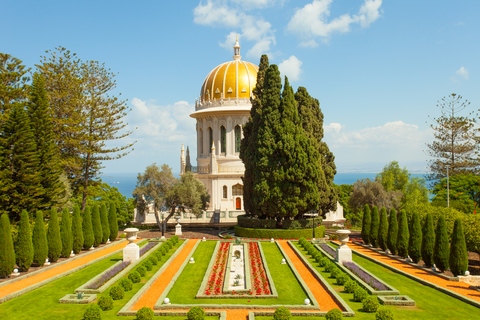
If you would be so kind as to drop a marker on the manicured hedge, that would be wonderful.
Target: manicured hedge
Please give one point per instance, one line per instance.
(278, 233)
(253, 223)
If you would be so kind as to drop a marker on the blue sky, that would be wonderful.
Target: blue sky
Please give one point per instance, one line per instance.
(377, 67)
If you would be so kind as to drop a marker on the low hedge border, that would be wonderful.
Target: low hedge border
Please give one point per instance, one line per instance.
(278, 233)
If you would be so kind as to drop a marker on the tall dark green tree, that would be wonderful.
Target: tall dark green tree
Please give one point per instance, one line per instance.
(87, 228)
(54, 238)
(7, 253)
(96, 226)
(39, 239)
(49, 168)
(403, 235)
(441, 250)
(415, 240)
(24, 244)
(458, 250)
(77, 230)
(105, 225)
(66, 234)
(383, 229)
(374, 227)
(248, 153)
(20, 163)
(428, 240)
(366, 222)
(112, 221)
(312, 123)
(392, 231)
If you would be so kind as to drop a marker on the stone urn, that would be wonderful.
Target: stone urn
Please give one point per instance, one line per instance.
(344, 253)
(131, 234)
(343, 236)
(131, 252)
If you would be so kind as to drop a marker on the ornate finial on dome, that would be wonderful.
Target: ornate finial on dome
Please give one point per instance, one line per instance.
(236, 50)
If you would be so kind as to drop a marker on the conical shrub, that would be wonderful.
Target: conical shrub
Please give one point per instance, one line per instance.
(112, 221)
(374, 226)
(415, 240)
(66, 234)
(97, 226)
(383, 229)
(105, 225)
(77, 230)
(441, 251)
(24, 244)
(458, 250)
(366, 222)
(88, 237)
(392, 231)
(7, 253)
(39, 239)
(403, 235)
(428, 240)
(54, 239)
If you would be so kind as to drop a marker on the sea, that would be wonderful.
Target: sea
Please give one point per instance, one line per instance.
(126, 182)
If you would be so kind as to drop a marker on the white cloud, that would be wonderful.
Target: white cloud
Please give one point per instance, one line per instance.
(292, 67)
(463, 73)
(312, 21)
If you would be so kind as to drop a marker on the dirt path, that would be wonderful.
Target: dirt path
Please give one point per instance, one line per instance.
(320, 293)
(55, 270)
(458, 287)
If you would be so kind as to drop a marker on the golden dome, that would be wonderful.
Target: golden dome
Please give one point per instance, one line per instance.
(232, 81)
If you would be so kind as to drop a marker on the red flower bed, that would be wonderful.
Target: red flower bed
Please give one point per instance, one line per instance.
(260, 284)
(217, 274)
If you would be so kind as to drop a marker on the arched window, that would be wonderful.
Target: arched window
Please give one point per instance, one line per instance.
(237, 190)
(210, 139)
(223, 139)
(200, 138)
(224, 192)
(238, 137)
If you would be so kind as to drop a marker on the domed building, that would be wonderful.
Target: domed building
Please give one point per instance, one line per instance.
(221, 111)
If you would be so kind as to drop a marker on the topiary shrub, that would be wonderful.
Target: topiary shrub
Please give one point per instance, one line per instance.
(370, 304)
(116, 292)
(334, 314)
(384, 313)
(163, 250)
(329, 266)
(134, 277)
(458, 250)
(323, 262)
(282, 313)
(374, 226)
(158, 255)
(350, 286)
(415, 240)
(403, 235)
(441, 249)
(126, 284)
(148, 265)
(105, 303)
(334, 271)
(93, 312)
(359, 294)
(153, 260)
(141, 271)
(342, 278)
(145, 314)
(196, 313)
(366, 221)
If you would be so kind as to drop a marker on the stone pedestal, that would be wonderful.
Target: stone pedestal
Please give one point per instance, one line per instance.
(178, 229)
(344, 253)
(131, 252)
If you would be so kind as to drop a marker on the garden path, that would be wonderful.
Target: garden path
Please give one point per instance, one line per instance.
(16, 286)
(461, 288)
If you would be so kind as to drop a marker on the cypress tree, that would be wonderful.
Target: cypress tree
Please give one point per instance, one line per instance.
(441, 250)
(392, 231)
(112, 221)
(39, 239)
(87, 228)
(54, 238)
(77, 230)
(97, 226)
(403, 235)
(415, 240)
(7, 253)
(366, 222)
(458, 250)
(383, 229)
(24, 245)
(428, 240)
(66, 234)
(105, 226)
(374, 227)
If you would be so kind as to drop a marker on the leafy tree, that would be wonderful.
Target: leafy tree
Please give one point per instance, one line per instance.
(66, 234)
(416, 194)
(22, 188)
(366, 191)
(39, 239)
(464, 192)
(415, 240)
(96, 226)
(366, 223)
(471, 227)
(13, 84)
(353, 216)
(24, 245)
(54, 239)
(441, 251)
(49, 169)
(393, 177)
(458, 250)
(455, 140)
(152, 188)
(87, 229)
(428, 240)
(105, 225)
(383, 229)
(403, 235)
(374, 227)
(392, 231)
(77, 230)
(7, 254)
(112, 221)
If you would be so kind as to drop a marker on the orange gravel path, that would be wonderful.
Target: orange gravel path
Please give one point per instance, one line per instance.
(151, 295)
(55, 270)
(237, 314)
(322, 296)
(461, 288)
